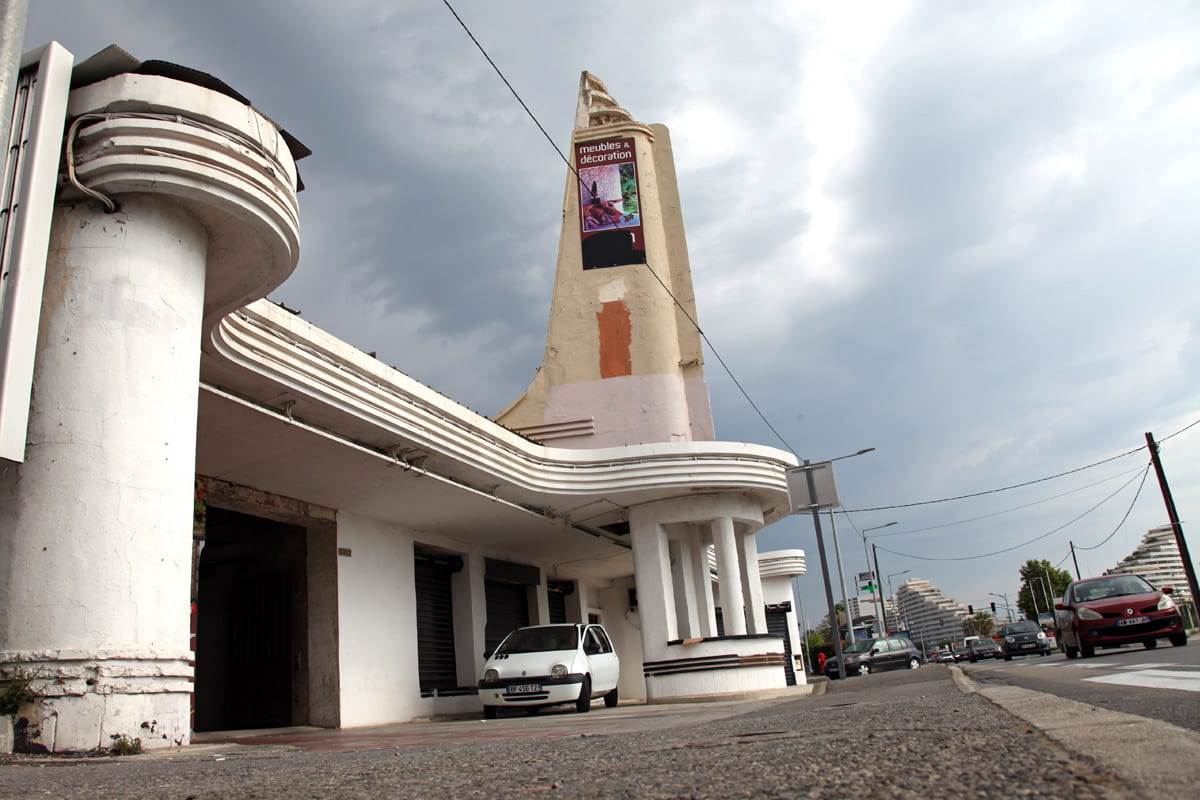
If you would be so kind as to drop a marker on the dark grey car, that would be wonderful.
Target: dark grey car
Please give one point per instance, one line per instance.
(865, 656)
(1024, 638)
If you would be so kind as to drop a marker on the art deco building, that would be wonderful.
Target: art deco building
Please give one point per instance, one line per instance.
(215, 515)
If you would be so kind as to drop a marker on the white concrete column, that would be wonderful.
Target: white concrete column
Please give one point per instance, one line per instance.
(756, 614)
(652, 576)
(729, 573)
(96, 524)
(701, 539)
(470, 612)
(683, 573)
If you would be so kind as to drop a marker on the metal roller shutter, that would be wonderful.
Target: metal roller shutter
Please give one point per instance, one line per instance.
(437, 666)
(777, 624)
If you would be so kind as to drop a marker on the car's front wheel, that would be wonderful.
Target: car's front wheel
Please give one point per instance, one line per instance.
(1086, 650)
(584, 703)
(489, 712)
(864, 669)
(1008, 656)
(610, 699)
(1150, 644)
(1179, 639)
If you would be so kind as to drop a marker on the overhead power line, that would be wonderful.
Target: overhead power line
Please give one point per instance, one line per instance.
(1036, 538)
(994, 491)
(662, 283)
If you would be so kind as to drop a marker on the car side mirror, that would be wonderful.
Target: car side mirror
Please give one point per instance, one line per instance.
(486, 655)
(1166, 590)
(874, 651)
(1062, 606)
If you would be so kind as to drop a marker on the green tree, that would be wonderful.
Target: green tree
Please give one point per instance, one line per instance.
(1038, 577)
(979, 625)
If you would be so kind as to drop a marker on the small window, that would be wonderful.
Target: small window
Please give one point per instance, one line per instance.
(602, 637)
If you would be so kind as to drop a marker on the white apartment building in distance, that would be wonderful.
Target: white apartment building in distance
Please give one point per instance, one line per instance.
(931, 617)
(1157, 560)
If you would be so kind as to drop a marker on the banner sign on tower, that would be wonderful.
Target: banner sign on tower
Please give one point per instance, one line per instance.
(610, 223)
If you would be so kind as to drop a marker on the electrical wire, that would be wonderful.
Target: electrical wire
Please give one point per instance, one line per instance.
(1014, 508)
(1122, 522)
(662, 283)
(1036, 538)
(1181, 430)
(1001, 489)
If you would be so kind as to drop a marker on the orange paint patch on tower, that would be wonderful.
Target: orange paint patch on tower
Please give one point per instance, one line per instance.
(616, 335)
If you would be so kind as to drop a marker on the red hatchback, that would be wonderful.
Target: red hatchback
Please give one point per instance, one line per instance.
(1114, 610)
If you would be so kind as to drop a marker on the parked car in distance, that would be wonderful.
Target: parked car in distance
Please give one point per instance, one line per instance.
(1024, 638)
(982, 648)
(959, 653)
(1113, 610)
(546, 665)
(865, 656)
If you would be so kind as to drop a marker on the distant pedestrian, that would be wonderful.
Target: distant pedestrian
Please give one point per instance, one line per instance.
(821, 659)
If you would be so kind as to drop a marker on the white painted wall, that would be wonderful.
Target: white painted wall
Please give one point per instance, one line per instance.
(378, 623)
(624, 628)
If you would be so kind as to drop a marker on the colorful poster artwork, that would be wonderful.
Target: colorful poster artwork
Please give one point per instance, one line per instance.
(609, 206)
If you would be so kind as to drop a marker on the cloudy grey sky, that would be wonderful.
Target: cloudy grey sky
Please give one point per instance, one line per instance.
(964, 234)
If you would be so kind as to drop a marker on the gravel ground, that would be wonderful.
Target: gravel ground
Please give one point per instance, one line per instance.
(897, 736)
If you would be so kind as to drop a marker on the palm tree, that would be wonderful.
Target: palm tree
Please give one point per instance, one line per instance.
(979, 625)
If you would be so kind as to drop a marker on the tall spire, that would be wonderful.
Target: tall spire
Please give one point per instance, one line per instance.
(596, 106)
(623, 364)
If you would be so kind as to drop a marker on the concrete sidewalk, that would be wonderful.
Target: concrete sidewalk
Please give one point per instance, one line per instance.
(924, 734)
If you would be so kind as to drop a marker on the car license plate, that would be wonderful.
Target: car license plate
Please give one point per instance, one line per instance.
(1027, 646)
(525, 688)
(1133, 620)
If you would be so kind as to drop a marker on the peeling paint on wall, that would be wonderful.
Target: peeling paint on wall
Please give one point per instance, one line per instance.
(616, 337)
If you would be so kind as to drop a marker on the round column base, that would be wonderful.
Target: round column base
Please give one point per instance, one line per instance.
(85, 703)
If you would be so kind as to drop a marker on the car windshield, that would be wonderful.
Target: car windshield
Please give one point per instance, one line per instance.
(1115, 586)
(538, 640)
(982, 644)
(860, 646)
(1023, 627)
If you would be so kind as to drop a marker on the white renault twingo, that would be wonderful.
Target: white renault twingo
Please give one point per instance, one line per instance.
(548, 665)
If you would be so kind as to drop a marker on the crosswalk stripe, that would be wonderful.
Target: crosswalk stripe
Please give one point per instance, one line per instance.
(1154, 679)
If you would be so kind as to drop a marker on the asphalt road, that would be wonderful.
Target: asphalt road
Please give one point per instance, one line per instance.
(1163, 683)
(906, 734)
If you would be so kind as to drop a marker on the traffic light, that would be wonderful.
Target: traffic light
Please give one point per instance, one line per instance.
(971, 610)
(993, 608)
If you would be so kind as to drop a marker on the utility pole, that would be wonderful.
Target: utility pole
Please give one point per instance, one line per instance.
(1188, 568)
(1078, 575)
(837, 551)
(833, 622)
(879, 589)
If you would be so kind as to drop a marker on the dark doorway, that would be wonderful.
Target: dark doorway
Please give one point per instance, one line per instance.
(507, 609)
(777, 624)
(437, 664)
(251, 624)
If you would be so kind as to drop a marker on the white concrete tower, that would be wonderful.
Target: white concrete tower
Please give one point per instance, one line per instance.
(624, 363)
(190, 212)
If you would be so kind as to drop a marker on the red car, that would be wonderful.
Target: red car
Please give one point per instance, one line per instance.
(1114, 610)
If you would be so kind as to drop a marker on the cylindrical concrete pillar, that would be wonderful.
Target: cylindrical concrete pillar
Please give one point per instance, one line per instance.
(96, 544)
(729, 572)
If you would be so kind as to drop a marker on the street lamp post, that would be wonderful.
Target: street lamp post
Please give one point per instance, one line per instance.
(814, 507)
(867, 556)
(837, 552)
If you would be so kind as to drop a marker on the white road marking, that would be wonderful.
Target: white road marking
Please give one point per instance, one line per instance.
(1154, 679)
(1149, 665)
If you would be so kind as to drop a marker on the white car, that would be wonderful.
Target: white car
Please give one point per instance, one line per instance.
(546, 665)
